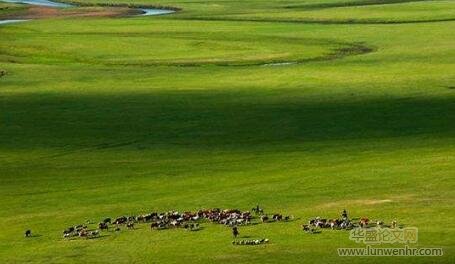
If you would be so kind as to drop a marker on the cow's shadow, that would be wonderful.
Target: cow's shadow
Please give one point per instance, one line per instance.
(34, 236)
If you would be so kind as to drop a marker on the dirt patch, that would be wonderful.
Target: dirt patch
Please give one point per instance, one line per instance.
(367, 201)
(355, 202)
(40, 12)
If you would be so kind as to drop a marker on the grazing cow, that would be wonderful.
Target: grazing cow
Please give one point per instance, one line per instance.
(69, 230)
(121, 220)
(175, 223)
(251, 242)
(80, 228)
(65, 235)
(320, 222)
(130, 225)
(83, 233)
(264, 218)
(103, 226)
(28, 233)
(277, 217)
(154, 225)
(235, 232)
(310, 229)
(150, 217)
(364, 222)
(306, 228)
(93, 234)
(345, 224)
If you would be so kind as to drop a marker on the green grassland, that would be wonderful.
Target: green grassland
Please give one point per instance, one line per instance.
(116, 116)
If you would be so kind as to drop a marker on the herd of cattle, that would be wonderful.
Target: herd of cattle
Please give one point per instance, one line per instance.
(250, 242)
(173, 219)
(342, 223)
(229, 217)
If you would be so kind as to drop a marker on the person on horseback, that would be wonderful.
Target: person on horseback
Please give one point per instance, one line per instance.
(344, 214)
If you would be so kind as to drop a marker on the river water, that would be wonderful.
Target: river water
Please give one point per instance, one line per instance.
(48, 3)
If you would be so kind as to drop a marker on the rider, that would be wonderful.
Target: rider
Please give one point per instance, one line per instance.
(235, 231)
(344, 215)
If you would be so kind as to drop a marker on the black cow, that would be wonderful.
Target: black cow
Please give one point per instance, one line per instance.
(121, 220)
(69, 230)
(103, 226)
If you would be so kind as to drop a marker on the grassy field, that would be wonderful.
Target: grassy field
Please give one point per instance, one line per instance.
(305, 107)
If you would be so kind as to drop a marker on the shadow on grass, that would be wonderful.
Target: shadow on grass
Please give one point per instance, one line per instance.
(350, 4)
(212, 119)
(321, 21)
(98, 237)
(34, 236)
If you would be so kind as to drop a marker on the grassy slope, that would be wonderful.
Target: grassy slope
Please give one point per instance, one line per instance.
(83, 137)
(6, 8)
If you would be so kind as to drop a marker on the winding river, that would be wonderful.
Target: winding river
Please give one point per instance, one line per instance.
(38, 3)
(48, 3)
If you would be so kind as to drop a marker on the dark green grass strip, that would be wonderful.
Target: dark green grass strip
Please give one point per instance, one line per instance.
(351, 4)
(327, 22)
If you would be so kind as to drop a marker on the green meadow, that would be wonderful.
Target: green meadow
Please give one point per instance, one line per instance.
(303, 107)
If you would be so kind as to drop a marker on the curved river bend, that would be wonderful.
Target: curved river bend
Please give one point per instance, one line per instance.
(48, 3)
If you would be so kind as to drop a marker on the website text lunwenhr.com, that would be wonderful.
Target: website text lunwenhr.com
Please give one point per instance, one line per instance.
(379, 252)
